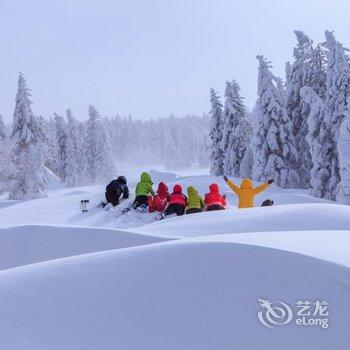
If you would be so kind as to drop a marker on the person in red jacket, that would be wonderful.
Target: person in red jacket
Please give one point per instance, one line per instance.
(177, 202)
(214, 200)
(160, 200)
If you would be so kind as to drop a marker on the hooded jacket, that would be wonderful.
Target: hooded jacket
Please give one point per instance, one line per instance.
(144, 187)
(214, 197)
(116, 188)
(159, 201)
(177, 197)
(163, 191)
(194, 199)
(246, 192)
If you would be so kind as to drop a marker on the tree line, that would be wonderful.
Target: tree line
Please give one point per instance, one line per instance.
(91, 151)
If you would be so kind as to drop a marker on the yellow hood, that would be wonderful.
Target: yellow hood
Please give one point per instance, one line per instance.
(246, 183)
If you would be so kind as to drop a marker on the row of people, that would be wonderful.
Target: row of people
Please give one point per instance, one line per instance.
(177, 202)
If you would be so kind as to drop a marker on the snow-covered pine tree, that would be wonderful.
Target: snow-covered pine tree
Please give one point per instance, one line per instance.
(6, 165)
(337, 96)
(215, 135)
(275, 155)
(303, 72)
(319, 138)
(73, 174)
(61, 142)
(28, 136)
(317, 68)
(235, 133)
(100, 163)
(343, 195)
(246, 167)
(2, 129)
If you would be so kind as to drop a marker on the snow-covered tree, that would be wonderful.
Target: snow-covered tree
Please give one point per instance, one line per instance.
(100, 163)
(317, 73)
(215, 135)
(73, 160)
(2, 129)
(28, 136)
(61, 141)
(337, 96)
(6, 164)
(275, 155)
(343, 195)
(236, 130)
(306, 71)
(319, 138)
(246, 166)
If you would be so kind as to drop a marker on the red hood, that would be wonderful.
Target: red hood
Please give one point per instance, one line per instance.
(214, 188)
(177, 189)
(163, 189)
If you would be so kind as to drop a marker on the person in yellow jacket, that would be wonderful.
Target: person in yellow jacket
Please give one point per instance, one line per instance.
(247, 192)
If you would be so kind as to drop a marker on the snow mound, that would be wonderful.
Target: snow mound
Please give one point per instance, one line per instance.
(331, 246)
(173, 295)
(158, 176)
(294, 217)
(24, 245)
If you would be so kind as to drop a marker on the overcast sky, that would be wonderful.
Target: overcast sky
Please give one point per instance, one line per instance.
(149, 58)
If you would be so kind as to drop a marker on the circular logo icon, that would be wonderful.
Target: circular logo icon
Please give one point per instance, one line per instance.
(274, 314)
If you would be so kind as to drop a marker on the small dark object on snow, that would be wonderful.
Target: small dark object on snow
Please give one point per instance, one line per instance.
(83, 205)
(267, 203)
(127, 209)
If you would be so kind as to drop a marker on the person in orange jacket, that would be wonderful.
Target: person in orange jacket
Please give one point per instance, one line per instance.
(246, 192)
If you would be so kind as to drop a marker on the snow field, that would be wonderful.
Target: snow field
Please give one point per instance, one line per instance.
(104, 280)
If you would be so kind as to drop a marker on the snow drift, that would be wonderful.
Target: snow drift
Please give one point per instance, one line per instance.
(24, 245)
(177, 295)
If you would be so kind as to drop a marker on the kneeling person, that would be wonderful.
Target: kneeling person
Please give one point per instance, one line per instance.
(214, 200)
(160, 200)
(143, 191)
(195, 202)
(115, 189)
(177, 202)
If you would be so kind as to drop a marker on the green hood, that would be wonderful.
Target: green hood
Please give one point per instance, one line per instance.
(144, 187)
(145, 177)
(191, 191)
(194, 199)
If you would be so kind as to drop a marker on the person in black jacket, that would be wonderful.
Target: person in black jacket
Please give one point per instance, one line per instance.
(115, 189)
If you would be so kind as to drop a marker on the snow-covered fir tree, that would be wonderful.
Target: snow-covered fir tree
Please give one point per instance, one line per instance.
(317, 68)
(73, 155)
(303, 72)
(61, 141)
(320, 143)
(99, 160)
(27, 136)
(275, 155)
(2, 128)
(236, 130)
(246, 167)
(6, 165)
(336, 106)
(215, 135)
(343, 145)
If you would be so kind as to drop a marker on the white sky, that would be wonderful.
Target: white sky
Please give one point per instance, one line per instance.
(149, 58)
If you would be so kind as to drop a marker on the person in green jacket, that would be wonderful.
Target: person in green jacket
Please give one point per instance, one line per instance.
(143, 191)
(195, 203)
